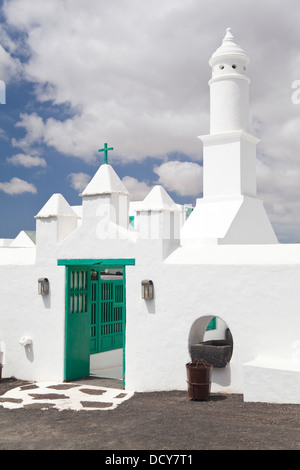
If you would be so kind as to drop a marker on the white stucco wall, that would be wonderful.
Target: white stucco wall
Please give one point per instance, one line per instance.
(259, 302)
(24, 313)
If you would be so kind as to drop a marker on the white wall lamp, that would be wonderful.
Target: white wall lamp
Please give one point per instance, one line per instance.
(147, 289)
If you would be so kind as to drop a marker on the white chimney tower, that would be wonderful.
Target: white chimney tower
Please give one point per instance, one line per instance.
(229, 212)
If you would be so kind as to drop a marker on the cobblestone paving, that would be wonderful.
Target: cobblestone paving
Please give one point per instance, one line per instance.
(63, 396)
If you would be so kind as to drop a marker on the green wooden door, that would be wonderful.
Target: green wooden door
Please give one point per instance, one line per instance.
(107, 312)
(77, 354)
(95, 317)
(111, 315)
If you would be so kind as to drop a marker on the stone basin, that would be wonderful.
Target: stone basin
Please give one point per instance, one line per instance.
(217, 352)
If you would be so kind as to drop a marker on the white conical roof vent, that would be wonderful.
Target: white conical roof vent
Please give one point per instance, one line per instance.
(56, 206)
(228, 49)
(105, 181)
(158, 199)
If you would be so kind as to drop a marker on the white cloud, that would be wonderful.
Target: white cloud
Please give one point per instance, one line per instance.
(27, 161)
(110, 66)
(34, 127)
(3, 135)
(79, 181)
(10, 68)
(280, 191)
(17, 186)
(183, 178)
(137, 189)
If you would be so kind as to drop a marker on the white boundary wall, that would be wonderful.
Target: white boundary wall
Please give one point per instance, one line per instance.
(259, 301)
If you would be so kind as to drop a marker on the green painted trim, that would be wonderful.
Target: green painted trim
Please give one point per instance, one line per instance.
(124, 326)
(92, 262)
(66, 319)
(212, 324)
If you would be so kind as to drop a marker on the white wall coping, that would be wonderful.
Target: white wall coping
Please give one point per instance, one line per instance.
(274, 363)
(17, 256)
(277, 254)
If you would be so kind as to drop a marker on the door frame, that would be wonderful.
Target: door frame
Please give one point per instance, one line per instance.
(110, 262)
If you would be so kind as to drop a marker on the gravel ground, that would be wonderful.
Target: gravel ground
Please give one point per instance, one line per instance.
(156, 421)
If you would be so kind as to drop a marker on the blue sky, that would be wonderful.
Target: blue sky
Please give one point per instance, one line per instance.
(135, 74)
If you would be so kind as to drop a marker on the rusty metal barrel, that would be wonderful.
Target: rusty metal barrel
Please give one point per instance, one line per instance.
(199, 379)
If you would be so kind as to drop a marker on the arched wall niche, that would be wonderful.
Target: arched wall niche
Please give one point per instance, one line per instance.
(210, 339)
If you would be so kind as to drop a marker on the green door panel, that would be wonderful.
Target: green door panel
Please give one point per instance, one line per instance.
(77, 355)
(107, 312)
(111, 315)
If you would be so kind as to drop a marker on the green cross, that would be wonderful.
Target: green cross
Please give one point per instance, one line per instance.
(105, 150)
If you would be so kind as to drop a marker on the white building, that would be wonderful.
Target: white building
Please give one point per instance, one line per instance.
(73, 299)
